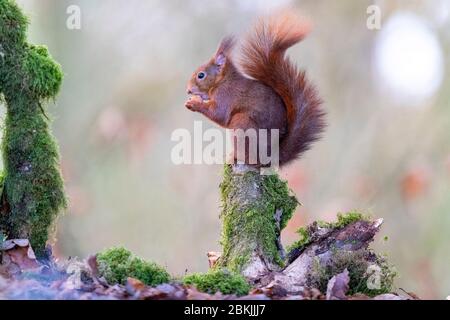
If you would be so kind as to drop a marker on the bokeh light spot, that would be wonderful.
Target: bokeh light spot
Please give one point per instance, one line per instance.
(408, 59)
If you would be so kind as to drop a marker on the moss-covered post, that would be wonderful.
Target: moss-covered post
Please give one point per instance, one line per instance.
(33, 191)
(255, 208)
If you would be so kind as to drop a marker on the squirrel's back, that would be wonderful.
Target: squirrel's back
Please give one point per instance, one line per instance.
(263, 58)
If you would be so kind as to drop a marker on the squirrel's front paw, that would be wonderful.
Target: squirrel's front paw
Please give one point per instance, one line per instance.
(193, 103)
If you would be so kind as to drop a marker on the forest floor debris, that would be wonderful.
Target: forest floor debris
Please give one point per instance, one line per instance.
(22, 276)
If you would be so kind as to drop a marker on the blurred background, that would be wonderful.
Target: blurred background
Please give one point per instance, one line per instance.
(386, 150)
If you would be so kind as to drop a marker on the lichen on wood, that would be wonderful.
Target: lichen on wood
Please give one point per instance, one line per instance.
(328, 249)
(32, 194)
(255, 208)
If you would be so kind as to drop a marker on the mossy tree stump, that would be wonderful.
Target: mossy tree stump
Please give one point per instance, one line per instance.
(32, 184)
(255, 208)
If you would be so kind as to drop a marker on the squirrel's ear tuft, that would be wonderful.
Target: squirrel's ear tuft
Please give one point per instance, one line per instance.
(224, 49)
(220, 60)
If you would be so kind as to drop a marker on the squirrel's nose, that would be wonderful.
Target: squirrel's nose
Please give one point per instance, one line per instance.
(189, 91)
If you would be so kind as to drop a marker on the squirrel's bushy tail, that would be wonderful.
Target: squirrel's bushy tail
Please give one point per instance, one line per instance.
(263, 58)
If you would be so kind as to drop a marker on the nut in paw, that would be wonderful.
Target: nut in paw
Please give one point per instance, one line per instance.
(193, 102)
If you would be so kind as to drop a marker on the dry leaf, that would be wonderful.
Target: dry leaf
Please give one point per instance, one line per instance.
(93, 266)
(134, 286)
(338, 286)
(18, 256)
(213, 257)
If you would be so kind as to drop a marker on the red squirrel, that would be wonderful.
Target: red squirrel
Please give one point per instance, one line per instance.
(269, 93)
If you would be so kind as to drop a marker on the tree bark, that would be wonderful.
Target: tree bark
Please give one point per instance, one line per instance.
(255, 208)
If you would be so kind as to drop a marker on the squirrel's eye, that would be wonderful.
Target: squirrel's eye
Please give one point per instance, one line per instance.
(201, 75)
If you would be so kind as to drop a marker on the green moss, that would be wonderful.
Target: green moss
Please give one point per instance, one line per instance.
(117, 264)
(344, 219)
(303, 241)
(249, 204)
(369, 274)
(13, 24)
(218, 281)
(33, 192)
(44, 75)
